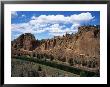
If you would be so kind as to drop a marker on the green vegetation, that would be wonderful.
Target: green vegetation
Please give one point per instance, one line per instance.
(82, 74)
(60, 66)
(22, 68)
(39, 68)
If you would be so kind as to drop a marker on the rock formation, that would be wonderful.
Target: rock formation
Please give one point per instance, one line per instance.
(25, 41)
(83, 46)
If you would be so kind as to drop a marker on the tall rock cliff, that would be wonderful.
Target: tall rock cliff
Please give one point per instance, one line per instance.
(83, 46)
(85, 42)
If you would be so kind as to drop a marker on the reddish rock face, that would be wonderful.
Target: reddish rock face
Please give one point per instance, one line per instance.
(25, 41)
(86, 41)
(84, 44)
(81, 49)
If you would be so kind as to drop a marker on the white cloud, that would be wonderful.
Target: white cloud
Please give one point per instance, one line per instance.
(58, 30)
(49, 19)
(75, 18)
(26, 28)
(57, 34)
(55, 25)
(55, 28)
(81, 17)
(14, 14)
(33, 17)
(23, 15)
(74, 28)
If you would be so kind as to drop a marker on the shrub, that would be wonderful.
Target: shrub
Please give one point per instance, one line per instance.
(34, 55)
(61, 66)
(21, 75)
(39, 68)
(33, 74)
(51, 57)
(83, 74)
(70, 61)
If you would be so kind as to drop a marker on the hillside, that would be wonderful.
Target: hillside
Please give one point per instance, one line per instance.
(22, 68)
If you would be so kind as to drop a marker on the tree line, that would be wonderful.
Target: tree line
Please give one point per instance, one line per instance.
(60, 66)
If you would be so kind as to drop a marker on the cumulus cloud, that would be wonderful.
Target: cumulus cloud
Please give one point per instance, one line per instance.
(56, 25)
(62, 19)
(55, 28)
(81, 17)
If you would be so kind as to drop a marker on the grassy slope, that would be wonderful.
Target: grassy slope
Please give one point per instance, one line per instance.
(21, 67)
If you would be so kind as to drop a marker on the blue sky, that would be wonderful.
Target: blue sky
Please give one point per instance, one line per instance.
(47, 24)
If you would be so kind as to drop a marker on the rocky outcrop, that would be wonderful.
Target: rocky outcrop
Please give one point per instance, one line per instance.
(25, 41)
(85, 42)
(84, 45)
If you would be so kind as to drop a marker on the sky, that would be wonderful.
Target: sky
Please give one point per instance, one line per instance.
(47, 24)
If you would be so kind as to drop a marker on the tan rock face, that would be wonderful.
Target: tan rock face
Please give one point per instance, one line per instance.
(84, 44)
(86, 41)
(25, 41)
